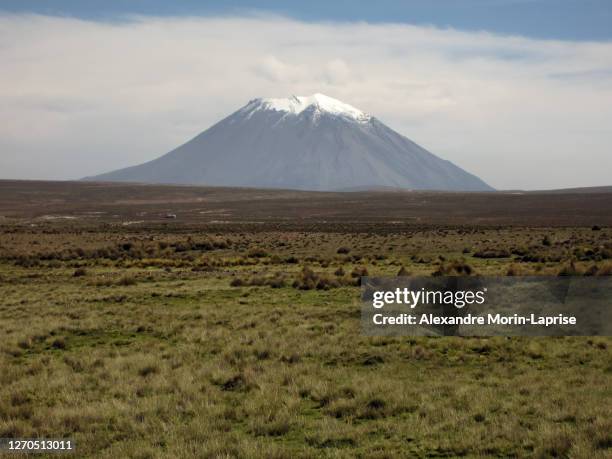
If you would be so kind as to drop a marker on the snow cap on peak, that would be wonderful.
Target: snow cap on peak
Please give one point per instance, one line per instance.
(320, 102)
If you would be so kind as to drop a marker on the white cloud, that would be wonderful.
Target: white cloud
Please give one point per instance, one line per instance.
(82, 97)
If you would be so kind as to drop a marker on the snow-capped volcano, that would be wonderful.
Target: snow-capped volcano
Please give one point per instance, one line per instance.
(317, 103)
(309, 143)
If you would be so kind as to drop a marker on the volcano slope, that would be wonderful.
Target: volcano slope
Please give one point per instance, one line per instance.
(306, 143)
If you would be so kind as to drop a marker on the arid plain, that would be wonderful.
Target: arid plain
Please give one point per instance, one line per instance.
(161, 321)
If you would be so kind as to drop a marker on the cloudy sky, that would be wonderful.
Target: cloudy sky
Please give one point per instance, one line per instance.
(83, 92)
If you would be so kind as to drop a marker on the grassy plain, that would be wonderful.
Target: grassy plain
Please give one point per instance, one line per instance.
(144, 337)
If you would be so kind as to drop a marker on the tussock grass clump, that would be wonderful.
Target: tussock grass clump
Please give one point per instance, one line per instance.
(275, 281)
(492, 253)
(148, 370)
(454, 268)
(557, 444)
(420, 259)
(325, 283)
(257, 252)
(239, 382)
(572, 269)
(605, 270)
(359, 271)
(372, 403)
(403, 272)
(533, 258)
(308, 279)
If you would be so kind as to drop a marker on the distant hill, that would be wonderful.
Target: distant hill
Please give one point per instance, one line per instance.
(304, 143)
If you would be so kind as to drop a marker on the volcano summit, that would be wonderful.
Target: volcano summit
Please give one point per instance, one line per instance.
(306, 143)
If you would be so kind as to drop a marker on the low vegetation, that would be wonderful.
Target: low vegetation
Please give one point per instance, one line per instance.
(154, 343)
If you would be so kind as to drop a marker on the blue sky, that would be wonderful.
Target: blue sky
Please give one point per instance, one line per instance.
(548, 19)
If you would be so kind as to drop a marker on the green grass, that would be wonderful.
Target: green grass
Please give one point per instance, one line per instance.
(134, 359)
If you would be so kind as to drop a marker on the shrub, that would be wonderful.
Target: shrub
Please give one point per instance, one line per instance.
(308, 280)
(59, 343)
(569, 270)
(27, 262)
(126, 280)
(276, 282)
(532, 259)
(343, 250)
(325, 283)
(519, 251)
(237, 282)
(79, 272)
(237, 383)
(513, 270)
